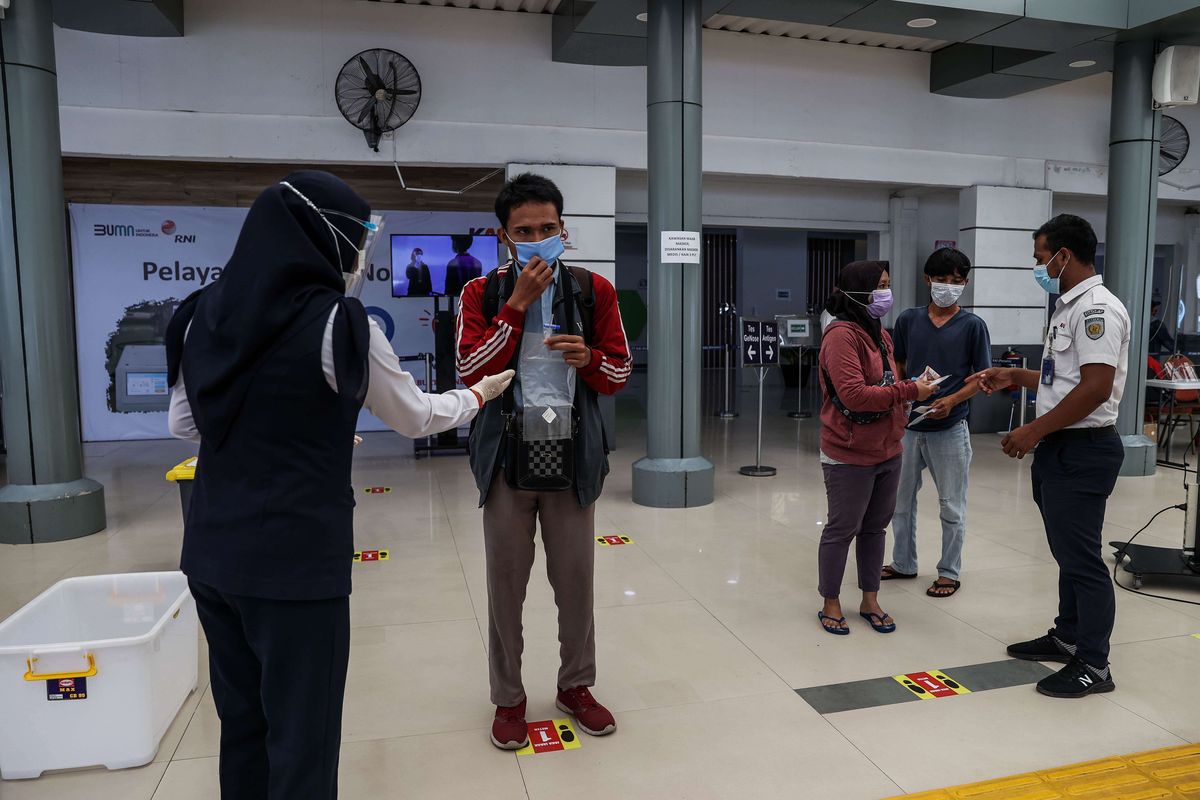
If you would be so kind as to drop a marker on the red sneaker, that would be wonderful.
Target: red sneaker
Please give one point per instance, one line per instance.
(592, 717)
(509, 731)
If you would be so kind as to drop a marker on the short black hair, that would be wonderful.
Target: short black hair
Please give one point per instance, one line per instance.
(461, 243)
(947, 261)
(526, 188)
(1072, 232)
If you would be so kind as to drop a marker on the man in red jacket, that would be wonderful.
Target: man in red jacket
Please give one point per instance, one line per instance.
(541, 454)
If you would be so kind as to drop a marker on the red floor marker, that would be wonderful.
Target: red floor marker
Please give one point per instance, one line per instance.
(549, 736)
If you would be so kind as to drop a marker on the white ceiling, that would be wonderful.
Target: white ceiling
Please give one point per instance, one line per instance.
(720, 22)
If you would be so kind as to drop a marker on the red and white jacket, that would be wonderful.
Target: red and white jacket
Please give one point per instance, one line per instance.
(487, 346)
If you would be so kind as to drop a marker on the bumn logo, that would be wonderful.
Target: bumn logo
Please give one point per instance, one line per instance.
(113, 230)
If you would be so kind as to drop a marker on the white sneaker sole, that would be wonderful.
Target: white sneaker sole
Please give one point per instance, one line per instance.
(510, 745)
(582, 727)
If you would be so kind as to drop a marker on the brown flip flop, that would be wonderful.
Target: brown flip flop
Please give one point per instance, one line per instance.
(952, 587)
(890, 574)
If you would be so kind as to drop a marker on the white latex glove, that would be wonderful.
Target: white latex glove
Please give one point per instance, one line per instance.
(492, 386)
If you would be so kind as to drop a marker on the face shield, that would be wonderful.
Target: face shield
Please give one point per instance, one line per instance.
(354, 276)
(366, 255)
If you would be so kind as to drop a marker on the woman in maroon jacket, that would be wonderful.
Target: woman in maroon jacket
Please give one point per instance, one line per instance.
(862, 426)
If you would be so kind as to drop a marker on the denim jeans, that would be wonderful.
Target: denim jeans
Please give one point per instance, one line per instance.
(947, 454)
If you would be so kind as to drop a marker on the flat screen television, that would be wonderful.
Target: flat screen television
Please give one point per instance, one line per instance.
(427, 265)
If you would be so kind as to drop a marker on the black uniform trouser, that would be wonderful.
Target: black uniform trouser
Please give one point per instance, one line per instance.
(278, 672)
(1074, 472)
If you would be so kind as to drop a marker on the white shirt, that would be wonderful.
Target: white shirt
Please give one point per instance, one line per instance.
(1089, 326)
(392, 394)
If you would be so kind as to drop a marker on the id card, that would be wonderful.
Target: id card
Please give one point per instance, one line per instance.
(1047, 371)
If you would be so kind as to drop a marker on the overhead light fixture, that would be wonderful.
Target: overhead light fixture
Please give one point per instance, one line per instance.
(922, 22)
(643, 17)
(1087, 62)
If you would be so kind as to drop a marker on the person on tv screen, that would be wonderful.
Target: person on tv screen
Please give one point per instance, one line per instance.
(463, 267)
(420, 283)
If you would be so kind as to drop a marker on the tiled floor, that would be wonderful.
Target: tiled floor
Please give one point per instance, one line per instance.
(706, 625)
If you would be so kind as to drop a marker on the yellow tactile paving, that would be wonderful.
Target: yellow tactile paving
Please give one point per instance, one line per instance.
(1170, 774)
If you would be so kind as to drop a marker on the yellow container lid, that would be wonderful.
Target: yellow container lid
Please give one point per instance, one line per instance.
(184, 471)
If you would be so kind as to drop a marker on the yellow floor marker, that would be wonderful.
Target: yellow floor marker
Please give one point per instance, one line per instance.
(931, 685)
(550, 735)
(1169, 774)
(613, 541)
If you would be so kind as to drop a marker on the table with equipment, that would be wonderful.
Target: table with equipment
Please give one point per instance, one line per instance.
(1168, 389)
(800, 333)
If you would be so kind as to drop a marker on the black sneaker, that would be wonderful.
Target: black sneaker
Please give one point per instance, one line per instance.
(1076, 679)
(1043, 648)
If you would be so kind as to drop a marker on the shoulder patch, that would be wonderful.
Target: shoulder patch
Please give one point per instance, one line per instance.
(1093, 311)
(1095, 327)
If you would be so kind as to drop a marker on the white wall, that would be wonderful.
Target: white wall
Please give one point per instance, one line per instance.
(253, 81)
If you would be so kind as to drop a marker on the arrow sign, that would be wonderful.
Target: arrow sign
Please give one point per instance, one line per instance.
(760, 343)
(770, 344)
(751, 330)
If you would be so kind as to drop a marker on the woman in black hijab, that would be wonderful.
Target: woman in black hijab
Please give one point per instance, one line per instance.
(270, 367)
(862, 428)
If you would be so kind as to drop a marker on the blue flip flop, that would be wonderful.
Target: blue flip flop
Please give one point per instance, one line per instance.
(880, 626)
(822, 616)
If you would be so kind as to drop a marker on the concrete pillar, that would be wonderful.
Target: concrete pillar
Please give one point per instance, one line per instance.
(996, 226)
(47, 498)
(905, 258)
(1132, 217)
(673, 474)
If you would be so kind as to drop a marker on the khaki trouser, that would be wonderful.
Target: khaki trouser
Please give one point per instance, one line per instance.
(568, 536)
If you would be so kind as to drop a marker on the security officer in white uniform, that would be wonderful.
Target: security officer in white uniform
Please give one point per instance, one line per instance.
(1079, 452)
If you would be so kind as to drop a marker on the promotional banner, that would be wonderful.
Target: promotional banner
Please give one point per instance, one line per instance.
(133, 265)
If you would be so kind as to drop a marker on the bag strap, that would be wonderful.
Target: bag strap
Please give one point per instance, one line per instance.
(859, 417)
(583, 281)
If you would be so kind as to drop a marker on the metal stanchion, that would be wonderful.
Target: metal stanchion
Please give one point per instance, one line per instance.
(757, 470)
(799, 413)
(727, 411)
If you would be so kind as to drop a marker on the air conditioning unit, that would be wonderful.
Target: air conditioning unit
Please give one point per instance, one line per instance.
(1177, 77)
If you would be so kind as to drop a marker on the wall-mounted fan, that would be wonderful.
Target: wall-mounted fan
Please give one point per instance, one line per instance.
(1175, 144)
(377, 91)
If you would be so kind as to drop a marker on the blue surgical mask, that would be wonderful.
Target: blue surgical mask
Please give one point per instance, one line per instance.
(1041, 274)
(549, 249)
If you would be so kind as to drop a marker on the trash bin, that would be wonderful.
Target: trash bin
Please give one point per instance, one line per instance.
(94, 670)
(184, 474)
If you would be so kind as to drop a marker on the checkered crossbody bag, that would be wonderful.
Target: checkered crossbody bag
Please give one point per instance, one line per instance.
(537, 466)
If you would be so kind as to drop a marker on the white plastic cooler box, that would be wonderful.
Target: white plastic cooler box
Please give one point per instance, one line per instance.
(93, 671)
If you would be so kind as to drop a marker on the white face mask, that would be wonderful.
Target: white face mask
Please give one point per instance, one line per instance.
(946, 294)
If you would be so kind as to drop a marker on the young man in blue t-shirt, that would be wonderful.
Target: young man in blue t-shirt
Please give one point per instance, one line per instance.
(954, 343)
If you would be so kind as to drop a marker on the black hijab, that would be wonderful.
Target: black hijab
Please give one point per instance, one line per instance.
(285, 271)
(856, 282)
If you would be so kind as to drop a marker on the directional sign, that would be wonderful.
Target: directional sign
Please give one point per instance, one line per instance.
(760, 343)
(751, 342)
(770, 344)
